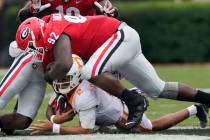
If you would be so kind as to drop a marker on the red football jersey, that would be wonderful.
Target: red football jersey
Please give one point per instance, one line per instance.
(73, 7)
(87, 34)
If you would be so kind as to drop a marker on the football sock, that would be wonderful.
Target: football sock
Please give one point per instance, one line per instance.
(203, 97)
(192, 110)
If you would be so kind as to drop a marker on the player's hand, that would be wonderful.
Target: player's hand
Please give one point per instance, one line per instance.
(37, 7)
(108, 9)
(64, 117)
(41, 127)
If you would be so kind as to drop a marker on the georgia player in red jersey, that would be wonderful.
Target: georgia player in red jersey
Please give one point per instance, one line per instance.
(13, 82)
(92, 30)
(40, 8)
(107, 48)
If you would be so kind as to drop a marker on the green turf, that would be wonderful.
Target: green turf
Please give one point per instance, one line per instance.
(195, 75)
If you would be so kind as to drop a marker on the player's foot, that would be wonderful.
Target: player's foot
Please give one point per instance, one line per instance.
(137, 105)
(202, 114)
(7, 132)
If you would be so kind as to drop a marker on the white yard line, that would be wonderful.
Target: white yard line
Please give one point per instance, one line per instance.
(109, 137)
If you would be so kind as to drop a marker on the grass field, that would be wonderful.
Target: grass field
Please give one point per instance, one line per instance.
(195, 75)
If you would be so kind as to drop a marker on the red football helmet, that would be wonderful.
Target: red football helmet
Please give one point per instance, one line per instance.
(30, 37)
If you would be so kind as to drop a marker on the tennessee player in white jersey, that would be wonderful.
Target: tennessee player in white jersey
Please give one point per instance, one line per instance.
(95, 108)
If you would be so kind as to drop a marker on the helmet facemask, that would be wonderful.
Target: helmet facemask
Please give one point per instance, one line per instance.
(72, 78)
(38, 52)
(68, 83)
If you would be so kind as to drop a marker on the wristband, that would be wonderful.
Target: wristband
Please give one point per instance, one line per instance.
(56, 128)
(52, 118)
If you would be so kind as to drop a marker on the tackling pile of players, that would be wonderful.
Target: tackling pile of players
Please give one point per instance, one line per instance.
(52, 48)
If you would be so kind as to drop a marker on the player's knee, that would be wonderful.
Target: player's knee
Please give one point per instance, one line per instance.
(155, 90)
(170, 90)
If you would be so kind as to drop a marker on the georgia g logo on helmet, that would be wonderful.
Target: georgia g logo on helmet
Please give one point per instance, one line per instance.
(25, 33)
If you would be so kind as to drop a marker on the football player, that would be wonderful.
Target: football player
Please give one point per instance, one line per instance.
(107, 49)
(25, 74)
(40, 8)
(96, 108)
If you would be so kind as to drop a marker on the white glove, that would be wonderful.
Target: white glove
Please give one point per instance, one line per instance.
(14, 51)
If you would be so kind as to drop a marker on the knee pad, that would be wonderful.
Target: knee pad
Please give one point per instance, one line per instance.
(170, 90)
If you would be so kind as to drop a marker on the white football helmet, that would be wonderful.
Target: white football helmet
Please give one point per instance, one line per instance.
(72, 78)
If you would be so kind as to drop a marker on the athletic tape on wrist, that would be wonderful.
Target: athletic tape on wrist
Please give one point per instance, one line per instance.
(56, 128)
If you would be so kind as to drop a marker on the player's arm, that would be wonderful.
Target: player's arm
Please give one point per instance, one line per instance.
(63, 59)
(46, 126)
(58, 110)
(87, 120)
(87, 123)
(108, 8)
(24, 13)
(28, 11)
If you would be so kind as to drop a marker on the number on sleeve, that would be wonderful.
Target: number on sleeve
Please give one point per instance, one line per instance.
(53, 37)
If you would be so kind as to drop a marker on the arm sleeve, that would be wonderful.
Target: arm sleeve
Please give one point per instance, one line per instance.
(88, 118)
(24, 14)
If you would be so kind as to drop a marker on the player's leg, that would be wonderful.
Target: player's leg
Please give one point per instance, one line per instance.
(16, 79)
(108, 58)
(141, 73)
(150, 83)
(163, 122)
(153, 86)
(173, 119)
(21, 73)
(170, 120)
(29, 101)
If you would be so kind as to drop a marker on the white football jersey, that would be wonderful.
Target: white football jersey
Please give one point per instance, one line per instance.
(108, 108)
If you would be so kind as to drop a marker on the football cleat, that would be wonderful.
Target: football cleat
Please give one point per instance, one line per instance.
(137, 105)
(202, 114)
